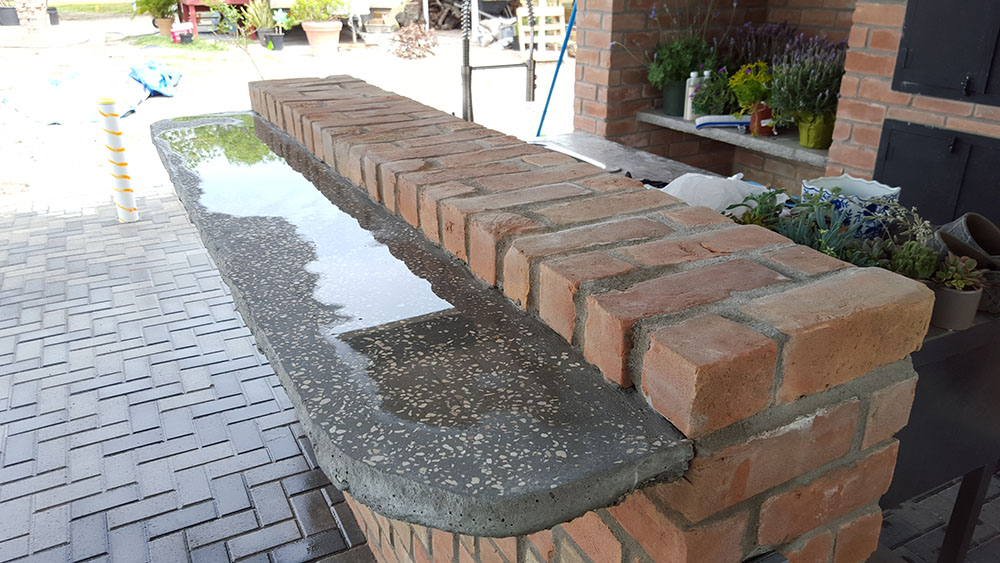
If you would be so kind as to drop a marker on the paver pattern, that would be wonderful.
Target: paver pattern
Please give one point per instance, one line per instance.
(915, 530)
(138, 421)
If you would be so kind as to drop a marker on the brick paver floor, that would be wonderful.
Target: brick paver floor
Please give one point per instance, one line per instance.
(137, 419)
(914, 531)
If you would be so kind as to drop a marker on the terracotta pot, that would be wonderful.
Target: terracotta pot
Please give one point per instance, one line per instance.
(953, 309)
(324, 37)
(758, 114)
(164, 25)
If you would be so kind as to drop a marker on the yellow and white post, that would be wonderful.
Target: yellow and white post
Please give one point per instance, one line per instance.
(124, 196)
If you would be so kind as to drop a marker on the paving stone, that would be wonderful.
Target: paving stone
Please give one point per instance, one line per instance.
(89, 536)
(168, 549)
(263, 539)
(270, 502)
(105, 501)
(16, 518)
(180, 519)
(192, 486)
(313, 512)
(128, 544)
(230, 494)
(143, 509)
(316, 545)
(221, 528)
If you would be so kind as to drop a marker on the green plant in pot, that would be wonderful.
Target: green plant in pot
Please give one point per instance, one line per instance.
(258, 17)
(806, 86)
(751, 85)
(957, 296)
(161, 10)
(276, 39)
(671, 65)
(914, 260)
(321, 22)
(714, 96)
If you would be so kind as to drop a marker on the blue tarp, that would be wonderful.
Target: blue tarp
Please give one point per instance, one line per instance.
(156, 77)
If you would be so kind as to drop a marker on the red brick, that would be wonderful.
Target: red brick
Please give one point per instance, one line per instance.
(412, 181)
(548, 159)
(455, 212)
(889, 411)
(429, 198)
(697, 216)
(916, 116)
(861, 111)
(560, 278)
(667, 541)
(806, 260)
(443, 545)
(849, 86)
(480, 157)
(700, 246)
(816, 549)
(988, 112)
(610, 316)
(975, 126)
(525, 250)
(819, 18)
(602, 207)
(841, 131)
(888, 15)
(855, 157)
(843, 327)
(858, 539)
(543, 544)
(871, 64)
(545, 176)
(486, 230)
(375, 155)
(388, 180)
(594, 537)
(734, 474)
(610, 183)
(334, 143)
(885, 40)
(943, 106)
(707, 373)
(866, 136)
(828, 497)
(858, 37)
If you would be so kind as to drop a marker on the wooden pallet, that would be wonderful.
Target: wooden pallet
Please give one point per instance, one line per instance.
(550, 31)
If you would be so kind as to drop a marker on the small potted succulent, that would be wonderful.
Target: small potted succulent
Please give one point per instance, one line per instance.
(805, 86)
(914, 261)
(321, 22)
(162, 12)
(672, 64)
(752, 86)
(956, 298)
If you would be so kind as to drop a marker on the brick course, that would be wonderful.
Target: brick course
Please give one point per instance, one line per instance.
(782, 364)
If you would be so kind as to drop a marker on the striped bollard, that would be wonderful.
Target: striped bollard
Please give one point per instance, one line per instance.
(124, 196)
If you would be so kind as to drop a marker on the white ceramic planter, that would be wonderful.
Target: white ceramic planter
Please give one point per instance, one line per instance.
(856, 195)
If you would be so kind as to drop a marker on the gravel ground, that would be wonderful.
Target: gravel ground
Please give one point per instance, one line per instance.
(63, 168)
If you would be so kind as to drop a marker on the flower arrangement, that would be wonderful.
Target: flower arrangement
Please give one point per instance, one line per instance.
(806, 86)
(751, 85)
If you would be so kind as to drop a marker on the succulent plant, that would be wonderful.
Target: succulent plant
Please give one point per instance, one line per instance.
(960, 273)
(914, 260)
(761, 209)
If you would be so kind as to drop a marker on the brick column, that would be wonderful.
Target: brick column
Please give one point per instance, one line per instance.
(788, 369)
(867, 97)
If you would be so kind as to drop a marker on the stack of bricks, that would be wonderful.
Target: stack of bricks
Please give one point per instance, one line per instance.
(31, 14)
(787, 368)
(867, 97)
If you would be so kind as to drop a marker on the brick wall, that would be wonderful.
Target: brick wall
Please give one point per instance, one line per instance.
(788, 369)
(814, 17)
(867, 98)
(773, 171)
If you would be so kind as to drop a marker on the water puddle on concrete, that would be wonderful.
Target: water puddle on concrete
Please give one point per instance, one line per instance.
(240, 176)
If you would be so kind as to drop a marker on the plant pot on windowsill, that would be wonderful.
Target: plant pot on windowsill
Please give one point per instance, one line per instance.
(673, 98)
(324, 37)
(8, 16)
(760, 121)
(815, 131)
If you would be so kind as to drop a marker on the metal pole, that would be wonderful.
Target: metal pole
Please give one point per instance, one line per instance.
(466, 69)
(128, 212)
(529, 94)
(427, 16)
(562, 53)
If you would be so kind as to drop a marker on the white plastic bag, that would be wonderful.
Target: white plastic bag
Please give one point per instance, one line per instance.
(715, 192)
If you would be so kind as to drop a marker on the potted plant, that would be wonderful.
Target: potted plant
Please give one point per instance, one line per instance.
(914, 261)
(161, 10)
(259, 19)
(671, 65)
(805, 86)
(8, 13)
(714, 96)
(957, 296)
(751, 84)
(276, 39)
(321, 22)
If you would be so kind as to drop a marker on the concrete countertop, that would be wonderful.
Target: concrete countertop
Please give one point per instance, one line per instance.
(427, 396)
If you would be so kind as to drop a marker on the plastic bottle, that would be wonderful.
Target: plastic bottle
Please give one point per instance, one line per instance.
(690, 86)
